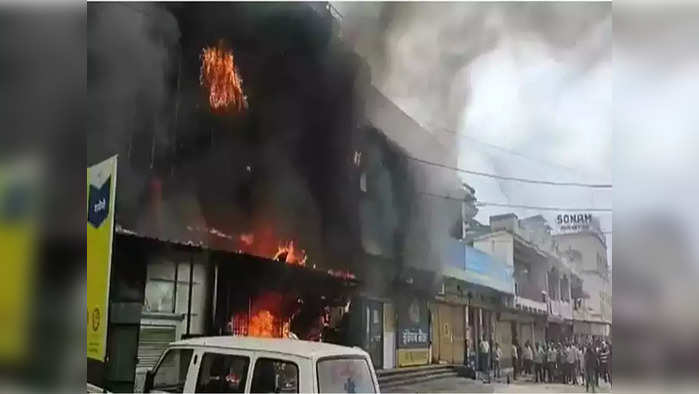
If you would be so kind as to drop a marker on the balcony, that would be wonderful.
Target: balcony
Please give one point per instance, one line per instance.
(530, 305)
(561, 309)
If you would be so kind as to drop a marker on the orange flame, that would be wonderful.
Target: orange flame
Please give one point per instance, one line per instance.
(220, 76)
(262, 325)
(288, 254)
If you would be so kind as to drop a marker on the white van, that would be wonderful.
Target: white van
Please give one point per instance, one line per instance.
(261, 365)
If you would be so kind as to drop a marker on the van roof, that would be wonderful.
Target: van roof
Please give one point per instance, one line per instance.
(296, 347)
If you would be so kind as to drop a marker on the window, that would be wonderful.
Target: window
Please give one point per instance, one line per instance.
(275, 376)
(344, 375)
(160, 287)
(172, 371)
(222, 373)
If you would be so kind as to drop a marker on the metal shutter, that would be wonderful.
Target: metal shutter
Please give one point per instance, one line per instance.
(151, 344)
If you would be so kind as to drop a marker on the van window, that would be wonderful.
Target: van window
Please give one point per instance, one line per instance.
(172, 371)
(222, 373)
(344, 375)
(275, 376)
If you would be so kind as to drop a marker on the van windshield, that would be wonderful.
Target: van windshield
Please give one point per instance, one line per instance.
(344, 375)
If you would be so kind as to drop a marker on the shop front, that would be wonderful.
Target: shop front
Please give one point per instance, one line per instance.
(413, 344)
(449, 328)
(485, 288)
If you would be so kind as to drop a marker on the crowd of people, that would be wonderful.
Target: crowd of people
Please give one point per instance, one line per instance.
(575, 362)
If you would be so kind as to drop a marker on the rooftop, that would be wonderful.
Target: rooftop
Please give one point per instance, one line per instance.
(296, 347)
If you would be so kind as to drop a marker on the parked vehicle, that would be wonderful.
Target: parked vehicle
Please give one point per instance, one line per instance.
(261, 365)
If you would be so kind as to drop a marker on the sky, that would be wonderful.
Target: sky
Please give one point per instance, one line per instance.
(521, 89)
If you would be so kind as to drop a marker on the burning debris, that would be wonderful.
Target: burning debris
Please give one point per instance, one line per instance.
(220, 76)
(288, 254)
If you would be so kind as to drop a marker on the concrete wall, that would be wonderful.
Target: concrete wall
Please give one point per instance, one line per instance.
(499, 245)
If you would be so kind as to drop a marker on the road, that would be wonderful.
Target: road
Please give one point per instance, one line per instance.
(463, 385)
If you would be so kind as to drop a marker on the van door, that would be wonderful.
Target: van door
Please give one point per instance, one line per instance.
(173, 370)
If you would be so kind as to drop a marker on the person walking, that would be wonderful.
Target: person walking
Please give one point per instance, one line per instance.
(590, 368)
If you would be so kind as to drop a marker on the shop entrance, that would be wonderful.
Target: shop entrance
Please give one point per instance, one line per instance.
(450, 328)
(373, 324)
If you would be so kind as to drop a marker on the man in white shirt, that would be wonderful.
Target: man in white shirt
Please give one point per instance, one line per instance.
(528, 358)
(484, 348)
(497, 355)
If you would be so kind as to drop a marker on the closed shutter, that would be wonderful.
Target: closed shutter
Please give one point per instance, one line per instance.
(151, 344)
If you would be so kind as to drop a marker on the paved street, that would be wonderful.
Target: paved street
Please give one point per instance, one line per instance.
(463, 385)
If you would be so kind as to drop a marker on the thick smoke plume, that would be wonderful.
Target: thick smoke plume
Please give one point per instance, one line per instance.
(532, 78)
(132, 61)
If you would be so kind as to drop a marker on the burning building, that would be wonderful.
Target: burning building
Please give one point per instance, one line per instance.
(265, 182)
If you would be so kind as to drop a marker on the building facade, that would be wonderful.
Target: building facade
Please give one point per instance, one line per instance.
(589, 248)
(543, 291)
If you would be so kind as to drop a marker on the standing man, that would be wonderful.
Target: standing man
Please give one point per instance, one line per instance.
(496, 360)
(581, 363)
(550, 362)
(571, 357)
(609, 364)
(539, 364)
(604, 362)
(528, 358)
(484, 350)
(590, 368)
(515, 359)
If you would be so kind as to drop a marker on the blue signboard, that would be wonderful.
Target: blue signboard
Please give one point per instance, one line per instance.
(474, 266)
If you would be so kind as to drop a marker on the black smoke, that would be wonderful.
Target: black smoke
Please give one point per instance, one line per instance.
(281, 170)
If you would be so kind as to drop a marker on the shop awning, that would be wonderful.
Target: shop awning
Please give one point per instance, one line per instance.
(473, 266)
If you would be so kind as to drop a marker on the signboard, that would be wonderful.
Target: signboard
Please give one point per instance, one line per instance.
(101, 187)
(413, 323)
(408, 357)
(18, 229)
(574, 222)
(474, 266)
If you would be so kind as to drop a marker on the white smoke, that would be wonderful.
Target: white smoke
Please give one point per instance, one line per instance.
(533, 78)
